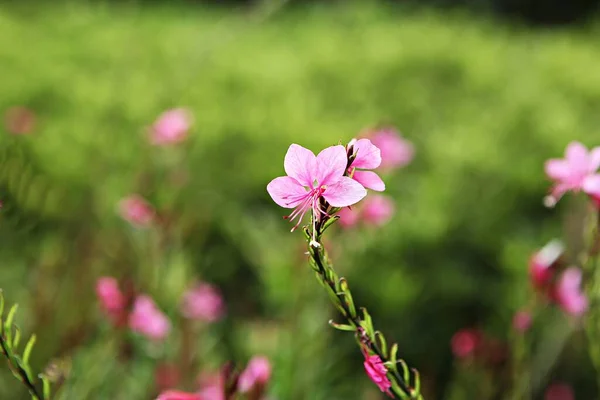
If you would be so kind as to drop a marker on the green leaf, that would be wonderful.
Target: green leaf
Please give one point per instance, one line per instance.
(330, 221)
(8, 323)
(342, 327)
(28, 348)
(46, 387)
(17, 338)
(381, 342)
(417, 385)
(405, 371)
(343, 284)
(1, 304)
(367, 323)
(394, 356)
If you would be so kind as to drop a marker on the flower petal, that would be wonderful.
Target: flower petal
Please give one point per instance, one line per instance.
(331, 165)
(594, 159)
(557, 169)
(300, 163)
(576, 155)
(286, 191)
(591, 185)
(369, 180)
(344, 193)
(368, 156)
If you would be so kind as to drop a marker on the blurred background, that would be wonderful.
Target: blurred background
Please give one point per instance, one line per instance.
(485, 90)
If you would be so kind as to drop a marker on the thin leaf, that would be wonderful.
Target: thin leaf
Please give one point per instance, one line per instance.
(46, 387)
(17, 338)
(342, 327)
(381, 342)
(28, 348)
(8, 323)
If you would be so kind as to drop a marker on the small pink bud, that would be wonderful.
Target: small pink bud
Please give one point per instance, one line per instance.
(568, 293)
(112, 300)
(203, 302)
(396, 151)
(171, 127)
(257, 373)
(559, 391)
(146, 319)
(136, 210)
(541, 263)
(377, 209)
(377, 371)
(522, 321)
(19, 120)
(465, 342)
(178, 395)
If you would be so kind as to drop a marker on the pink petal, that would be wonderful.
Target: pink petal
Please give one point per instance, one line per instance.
(594, 159)
(300, 163)
(557, 169)
(368, 156)
(591, 185)
(331, 165)
(369, 180)
(286, 191)
(344, 193)
(576, 155)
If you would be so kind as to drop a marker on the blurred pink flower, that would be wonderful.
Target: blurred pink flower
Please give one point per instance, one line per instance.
(178, 395)
(559, 391)
(377, 209)
(377, 371)
(212, 386)
(522, 321)
(213, 392)
(19, 120)
(256, 374)
(136, 210)
(171, 127)
(541, 263)
(368, 156)
(311, 178)
(465, 342)
(569, 295)
(396, 151)
(349, 217)
(112, 300)
(203, 302)
(573, 172)
(166, 376)
(146, 319)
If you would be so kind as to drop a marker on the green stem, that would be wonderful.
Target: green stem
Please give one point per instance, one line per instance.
(18, 370)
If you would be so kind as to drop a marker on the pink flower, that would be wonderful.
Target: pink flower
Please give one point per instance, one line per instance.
(541, 264)
(137, 211)
(368, 156)
(19, 120)
(111, 299)
(257, 373)
(377, 209)
(311, 178)
(166, 376)
(171, 127)
(349, 217)
(559, 391)
(178, 395)
(203, 302)
(212, 386)
(377, 371)
(395, 151)
(568, 292)
(522, 321)
(465, 342)
(148, 320)
(212, 393)
(573, 173)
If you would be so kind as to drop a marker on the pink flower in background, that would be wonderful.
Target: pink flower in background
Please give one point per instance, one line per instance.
(166, 376)
(541, 263)
(311, 178)
(568, 292)
(559, 391)
(136, 210)
(178, 395)
(203, 302)
(212, 386)
(19, 120)
(377, 371)
(573, 172)
(256, 374)
(171, 127)
(396, 151)
(377, 209)
(522, 321)
(111, 298)
(465, 342)
(368, 156)
(591, 186)
(349, 217)
(146, 319)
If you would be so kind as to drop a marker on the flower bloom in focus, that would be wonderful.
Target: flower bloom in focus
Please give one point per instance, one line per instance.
(368, 156)
(19, 120)
(377, 371)
(135, 210)
(146, 319)
(203, 302)
(396, 151)
(541, 263)
(178, 395)
(256, 374)
(522, 321)
(559, 391)
(310, 178)
(111, 299)
(568, 292)
(574, 172)
(171, 127)
(465, 342)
